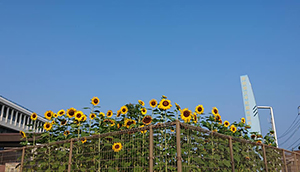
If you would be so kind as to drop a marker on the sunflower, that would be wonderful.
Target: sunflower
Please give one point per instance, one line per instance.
(95, 101)
(118, 113)
(226, 123)
(92, 116)
(83, 118)
(33, 116)
(153, 103)
(23, 134)
(109, 113)
(253, 136)
(119, 125)
(55, 115)
(163, 96)
(233, 128)
(215, 111)
(78, 115)
(165, 104)
(243, 120)
(63, 122)
(83, 140)
(71, 112)
(259, 136)
(53, 122)
(129, 122)
(258, 141)
(215, 130)
(102, 114)
(220, 121)
(124, 109)
(48, 114)
(248, 126)
(110, 121)
(195, 118)
(75, 122)
(217, 117)
(66, 133)
(147, 120)
(47, 126)
(117, 147)
(199, 109)
(141, 103)
(186, 115)
(177, 106)
(143, 131)
(172, 130)
(61, 112)
(143, 110)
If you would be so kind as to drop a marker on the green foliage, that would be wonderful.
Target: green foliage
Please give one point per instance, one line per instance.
(128, 150)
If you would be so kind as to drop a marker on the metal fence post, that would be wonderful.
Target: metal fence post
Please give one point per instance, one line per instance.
(231, 154)
(22, 159)
(284, 161)
(70, 156)
(178, 146)
(265, 157)
(151, 149)
(295, 162)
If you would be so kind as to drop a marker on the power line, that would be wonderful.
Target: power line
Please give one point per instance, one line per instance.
(291, 146)
(291, 126)
(290, 136)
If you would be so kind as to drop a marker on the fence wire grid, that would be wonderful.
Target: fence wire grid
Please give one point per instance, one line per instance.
(165, 147)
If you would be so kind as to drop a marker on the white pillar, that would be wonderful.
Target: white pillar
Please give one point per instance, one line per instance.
(2, 109)
(11, 116)
(6, 114)
(30, 122)
(21, 115)
(24, 117)
(17, 114)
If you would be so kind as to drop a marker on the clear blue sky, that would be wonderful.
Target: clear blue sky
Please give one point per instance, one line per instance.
(59, 54)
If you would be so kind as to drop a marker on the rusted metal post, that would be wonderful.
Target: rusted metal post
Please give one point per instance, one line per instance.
(284, 161)
(70, 156)
(178, 146)
(295, 162)
(265, 157)
(22, 159)
(151, 149)
(231, 154)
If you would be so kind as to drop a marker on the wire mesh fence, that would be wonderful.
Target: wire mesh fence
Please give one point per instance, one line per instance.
(165, 147)
(10, 156)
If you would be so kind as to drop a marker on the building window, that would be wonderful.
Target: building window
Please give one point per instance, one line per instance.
(4, 112)
(9, 114)
(1, 108)
(14, 115)
(18, 118)
(25, 120)
(22, 119)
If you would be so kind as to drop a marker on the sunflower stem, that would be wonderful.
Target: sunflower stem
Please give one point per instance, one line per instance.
(99, 169)
(166, 167)
(92, 111)
(49, 150)
(212, 137)
(33, 136)
(78, 136)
